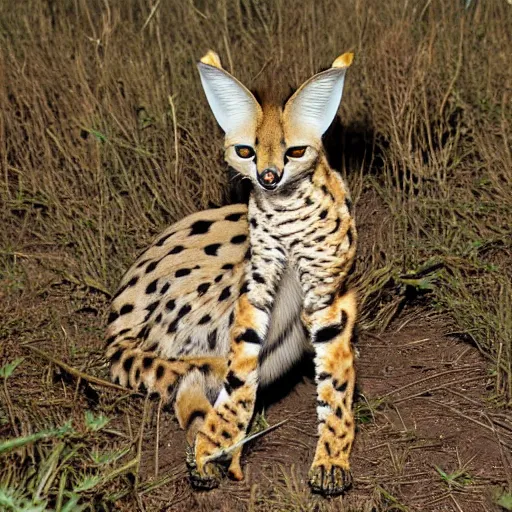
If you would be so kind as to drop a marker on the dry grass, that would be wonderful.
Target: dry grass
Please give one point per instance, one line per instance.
(106, 138)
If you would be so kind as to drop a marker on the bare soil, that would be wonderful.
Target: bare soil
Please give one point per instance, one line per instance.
(422, 406)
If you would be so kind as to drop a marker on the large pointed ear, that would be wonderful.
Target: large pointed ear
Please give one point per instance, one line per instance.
(314, 105)
(232, 104)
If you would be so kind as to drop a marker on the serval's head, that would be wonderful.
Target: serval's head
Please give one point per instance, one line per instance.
(273, 145)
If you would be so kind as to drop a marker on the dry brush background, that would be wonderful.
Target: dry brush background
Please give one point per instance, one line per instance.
(106, 138)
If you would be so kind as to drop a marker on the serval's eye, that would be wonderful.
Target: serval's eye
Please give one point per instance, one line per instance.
(244, 151)
(296, 152)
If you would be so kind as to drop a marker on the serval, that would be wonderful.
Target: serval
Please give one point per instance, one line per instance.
(230, 298)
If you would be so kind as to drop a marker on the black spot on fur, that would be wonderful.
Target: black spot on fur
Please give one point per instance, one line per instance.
(164, 289)
(211, 250)
(321, 403)
(323, 214)
(230, 409)
(127, 308)
(151, 288)
(258, 277)
(327, 333)
(309, 201)
(204, 368)
(324, 376)
(244, 403)
(159, 372)
(327, 448)
(110, 340)
(127, 364)
(153, 306)
(172, 326)
(132, 282)
(339, 412)
(336, 226)
(218, 279)
(232, 382)
(225, 294)
(147, 362)
(200, 227)
(112, 317)
(184, 310)
(248, 253)
(249, 336)
(137, 375)
(228, 266)
(340, 387)
(182, 272)
(152, 266)
(158, 318)
(212, 339)
(143, 333)
(176, 250)
(350, 236)
(203, 288)
(171, 304)
(142, 263)
(234, 217)
(348, 204)
(194, 415)
(231, 318)
(225, 434)
(239, 239)
(116, 356)
(205, 319)
(162, 240)
(244, 288)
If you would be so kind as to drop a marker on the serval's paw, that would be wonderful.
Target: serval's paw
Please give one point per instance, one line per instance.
(208, 479)
(329, 479)
(210, 475)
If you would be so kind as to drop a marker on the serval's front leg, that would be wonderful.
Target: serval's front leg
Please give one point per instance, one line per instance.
(331, 334)
(226, 423)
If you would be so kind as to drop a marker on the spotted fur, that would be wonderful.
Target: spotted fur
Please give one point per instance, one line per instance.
(228, 299)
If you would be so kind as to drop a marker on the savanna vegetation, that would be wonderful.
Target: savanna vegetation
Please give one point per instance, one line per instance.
(106, 138)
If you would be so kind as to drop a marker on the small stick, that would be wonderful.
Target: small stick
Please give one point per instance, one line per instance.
(77, 373)
(223, 453)
(440, 374)
(157, 440)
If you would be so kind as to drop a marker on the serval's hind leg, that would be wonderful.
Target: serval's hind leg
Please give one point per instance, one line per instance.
(195, 394)
(331, 333)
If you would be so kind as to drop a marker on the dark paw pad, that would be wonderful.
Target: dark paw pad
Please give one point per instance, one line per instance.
(330, 481)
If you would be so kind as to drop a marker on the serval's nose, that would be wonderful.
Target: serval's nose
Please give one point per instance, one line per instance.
(269, 178)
